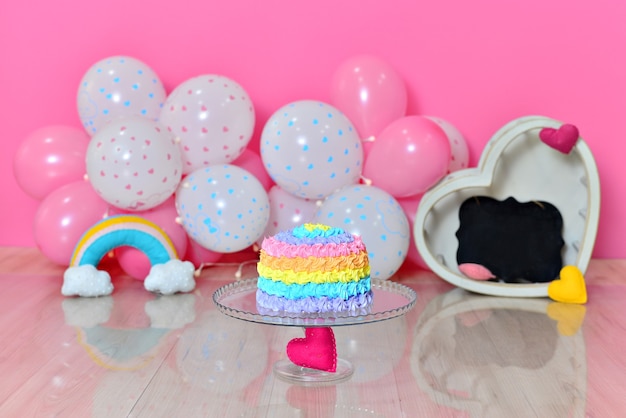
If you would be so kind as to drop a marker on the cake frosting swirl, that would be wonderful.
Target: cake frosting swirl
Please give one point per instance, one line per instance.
(313, 268)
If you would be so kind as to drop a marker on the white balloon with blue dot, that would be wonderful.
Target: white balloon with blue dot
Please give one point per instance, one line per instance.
(223, 207)
(377, 218)
(311, 149)
(117, 87)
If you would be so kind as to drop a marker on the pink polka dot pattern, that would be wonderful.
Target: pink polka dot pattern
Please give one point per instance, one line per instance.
(214, 118)
(134, 163)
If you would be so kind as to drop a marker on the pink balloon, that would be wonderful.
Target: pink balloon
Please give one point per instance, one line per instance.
(49, 158)
(62, 218)
(197, 254)
(251, 161)
(409, 206)
(408, 157)
(134, 262)
(370, 93)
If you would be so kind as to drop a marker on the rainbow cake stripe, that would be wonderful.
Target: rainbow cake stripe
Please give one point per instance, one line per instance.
(313, 268)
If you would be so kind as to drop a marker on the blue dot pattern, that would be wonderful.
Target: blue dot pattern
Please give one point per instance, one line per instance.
(118, 86)
(377, 217)
(210, 206)
(310, 149)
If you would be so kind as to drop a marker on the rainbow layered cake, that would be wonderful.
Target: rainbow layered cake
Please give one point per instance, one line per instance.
(313, 268)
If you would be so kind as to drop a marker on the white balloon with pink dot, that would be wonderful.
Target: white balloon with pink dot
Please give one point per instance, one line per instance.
(134, 163)
(214, 118)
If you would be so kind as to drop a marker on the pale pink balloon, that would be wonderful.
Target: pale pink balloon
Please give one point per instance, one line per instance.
(64, 216)
(133, 261)
(409, 207)
(287, 211)
(408, 157)
(370, 93)
(459, 155)
(252, 162)
(49, 158)
(198, 255)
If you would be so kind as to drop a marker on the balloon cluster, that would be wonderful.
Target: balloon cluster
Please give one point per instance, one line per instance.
(182, 161)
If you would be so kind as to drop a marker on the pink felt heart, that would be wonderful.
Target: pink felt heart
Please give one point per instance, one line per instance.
(562, 139)
(317, 350)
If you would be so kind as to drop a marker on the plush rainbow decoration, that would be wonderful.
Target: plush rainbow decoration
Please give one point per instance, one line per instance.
(313, 268)
(168, 274)
(121, 230)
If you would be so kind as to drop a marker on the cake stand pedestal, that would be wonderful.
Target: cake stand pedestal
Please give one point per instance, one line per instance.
(390, 300)
(292, 373)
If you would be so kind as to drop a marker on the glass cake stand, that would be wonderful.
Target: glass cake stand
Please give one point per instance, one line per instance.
(390, 300)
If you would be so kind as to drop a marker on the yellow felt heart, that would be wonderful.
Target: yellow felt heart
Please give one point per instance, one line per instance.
(569, 317)
(570, 287)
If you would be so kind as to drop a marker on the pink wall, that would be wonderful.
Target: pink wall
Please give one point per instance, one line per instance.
(478, 64)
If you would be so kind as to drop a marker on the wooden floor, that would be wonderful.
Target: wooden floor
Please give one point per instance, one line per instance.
(454, 355)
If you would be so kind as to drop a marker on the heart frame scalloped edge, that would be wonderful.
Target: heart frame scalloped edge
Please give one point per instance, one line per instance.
(515, 162)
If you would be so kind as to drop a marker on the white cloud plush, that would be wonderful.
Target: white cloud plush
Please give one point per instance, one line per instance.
(86, 281)
(171, 277)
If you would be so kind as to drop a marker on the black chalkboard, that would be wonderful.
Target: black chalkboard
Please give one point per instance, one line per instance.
(517, 242)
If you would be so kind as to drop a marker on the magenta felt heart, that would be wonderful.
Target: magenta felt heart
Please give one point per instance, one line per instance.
(317, 350)
(562, 139)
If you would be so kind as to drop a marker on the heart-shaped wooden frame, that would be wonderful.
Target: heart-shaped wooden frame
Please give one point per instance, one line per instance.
(515, 162)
